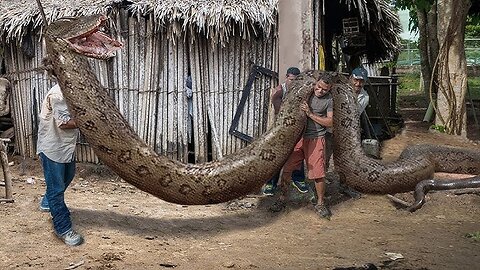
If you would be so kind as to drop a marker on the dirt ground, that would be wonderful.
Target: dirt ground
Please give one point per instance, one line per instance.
(126, 228)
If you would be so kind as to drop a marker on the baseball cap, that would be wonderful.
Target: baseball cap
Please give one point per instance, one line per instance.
(293, 70)
(360, 73)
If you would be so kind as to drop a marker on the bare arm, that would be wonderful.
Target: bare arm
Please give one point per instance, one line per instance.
(277, 97)
(326, 121)
(60, 112)
(69, 125)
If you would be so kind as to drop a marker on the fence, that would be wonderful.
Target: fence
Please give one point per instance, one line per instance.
(410, 55)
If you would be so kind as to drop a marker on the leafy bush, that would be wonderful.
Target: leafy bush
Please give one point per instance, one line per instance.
(409, 83)
(472, 31)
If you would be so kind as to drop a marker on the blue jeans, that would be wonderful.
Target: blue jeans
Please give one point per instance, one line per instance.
(57, 177)
(297, 175)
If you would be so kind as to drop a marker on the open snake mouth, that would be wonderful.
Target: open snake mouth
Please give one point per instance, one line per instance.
(94, 42)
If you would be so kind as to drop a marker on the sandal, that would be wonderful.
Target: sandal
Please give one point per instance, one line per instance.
(323, 211)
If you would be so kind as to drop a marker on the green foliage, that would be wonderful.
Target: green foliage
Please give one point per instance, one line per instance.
(409, 54)
(409, 84)
(412, 6)
(474, 87)
(473, 21)
(474, 235)
(474, 82)
(438, 128)
(472, 29)
(390, 64)
(410, 43)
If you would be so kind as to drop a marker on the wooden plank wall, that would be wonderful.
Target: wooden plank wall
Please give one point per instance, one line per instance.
(28, 86)
(219, 75)
(147, 81)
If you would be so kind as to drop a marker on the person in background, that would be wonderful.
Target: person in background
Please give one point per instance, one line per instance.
(298, 176)
(57, 137)
(189, 95)
(358, 78)
(311, 147)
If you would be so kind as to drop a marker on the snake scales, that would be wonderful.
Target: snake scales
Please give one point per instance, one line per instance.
(412, 171)
(119, 147)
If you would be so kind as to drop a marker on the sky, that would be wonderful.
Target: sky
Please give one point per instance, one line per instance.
(404, 17)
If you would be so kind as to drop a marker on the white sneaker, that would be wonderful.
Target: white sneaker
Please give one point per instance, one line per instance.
(72, 238)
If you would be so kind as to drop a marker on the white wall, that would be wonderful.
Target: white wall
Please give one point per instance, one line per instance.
(295, 34)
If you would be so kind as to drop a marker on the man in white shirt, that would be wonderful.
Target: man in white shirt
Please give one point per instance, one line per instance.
(359, 77)
(57, 137)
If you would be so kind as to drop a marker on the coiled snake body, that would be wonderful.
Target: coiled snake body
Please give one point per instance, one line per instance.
(416, 163)
(119, 147)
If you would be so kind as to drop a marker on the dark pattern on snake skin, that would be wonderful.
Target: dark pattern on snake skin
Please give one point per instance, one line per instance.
(416, 163)
(119, 147)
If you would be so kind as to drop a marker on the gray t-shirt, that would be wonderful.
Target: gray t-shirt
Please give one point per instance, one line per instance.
(320, 106)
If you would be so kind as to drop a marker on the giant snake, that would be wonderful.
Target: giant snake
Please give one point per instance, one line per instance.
(116, 144)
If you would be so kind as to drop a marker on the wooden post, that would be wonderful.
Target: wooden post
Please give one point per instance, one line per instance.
(295, 34)
(6, 173)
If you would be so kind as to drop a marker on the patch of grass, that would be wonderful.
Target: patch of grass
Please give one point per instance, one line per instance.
(409, 84)
(475, 236)
(474, 87)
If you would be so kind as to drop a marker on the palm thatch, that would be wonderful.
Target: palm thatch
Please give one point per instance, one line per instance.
(381, 24)
(18, 16)
(212, 17)
(216, 18)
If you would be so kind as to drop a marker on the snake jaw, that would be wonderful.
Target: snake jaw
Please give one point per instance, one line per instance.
(94, 43)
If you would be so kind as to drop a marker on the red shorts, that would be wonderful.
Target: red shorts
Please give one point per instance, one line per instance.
(313, 151)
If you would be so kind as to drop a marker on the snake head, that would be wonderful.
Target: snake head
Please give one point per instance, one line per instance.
(84, 35)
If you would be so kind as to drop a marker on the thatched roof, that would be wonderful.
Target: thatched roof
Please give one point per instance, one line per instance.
(214, 17)
(381, 24)
(16, 16)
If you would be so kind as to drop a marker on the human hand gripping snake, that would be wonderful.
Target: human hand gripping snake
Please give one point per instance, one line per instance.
(69, 41)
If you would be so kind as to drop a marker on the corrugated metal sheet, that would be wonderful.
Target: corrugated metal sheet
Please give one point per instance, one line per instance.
(147, 81)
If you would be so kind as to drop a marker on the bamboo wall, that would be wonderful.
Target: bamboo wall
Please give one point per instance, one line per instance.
(146, 79)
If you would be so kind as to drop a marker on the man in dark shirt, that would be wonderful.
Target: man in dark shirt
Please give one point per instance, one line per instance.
(311, 147)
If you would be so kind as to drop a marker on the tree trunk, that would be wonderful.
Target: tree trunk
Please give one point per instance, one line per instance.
(451, 66)
(423, 48)
(432, 34)
(428, 46)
